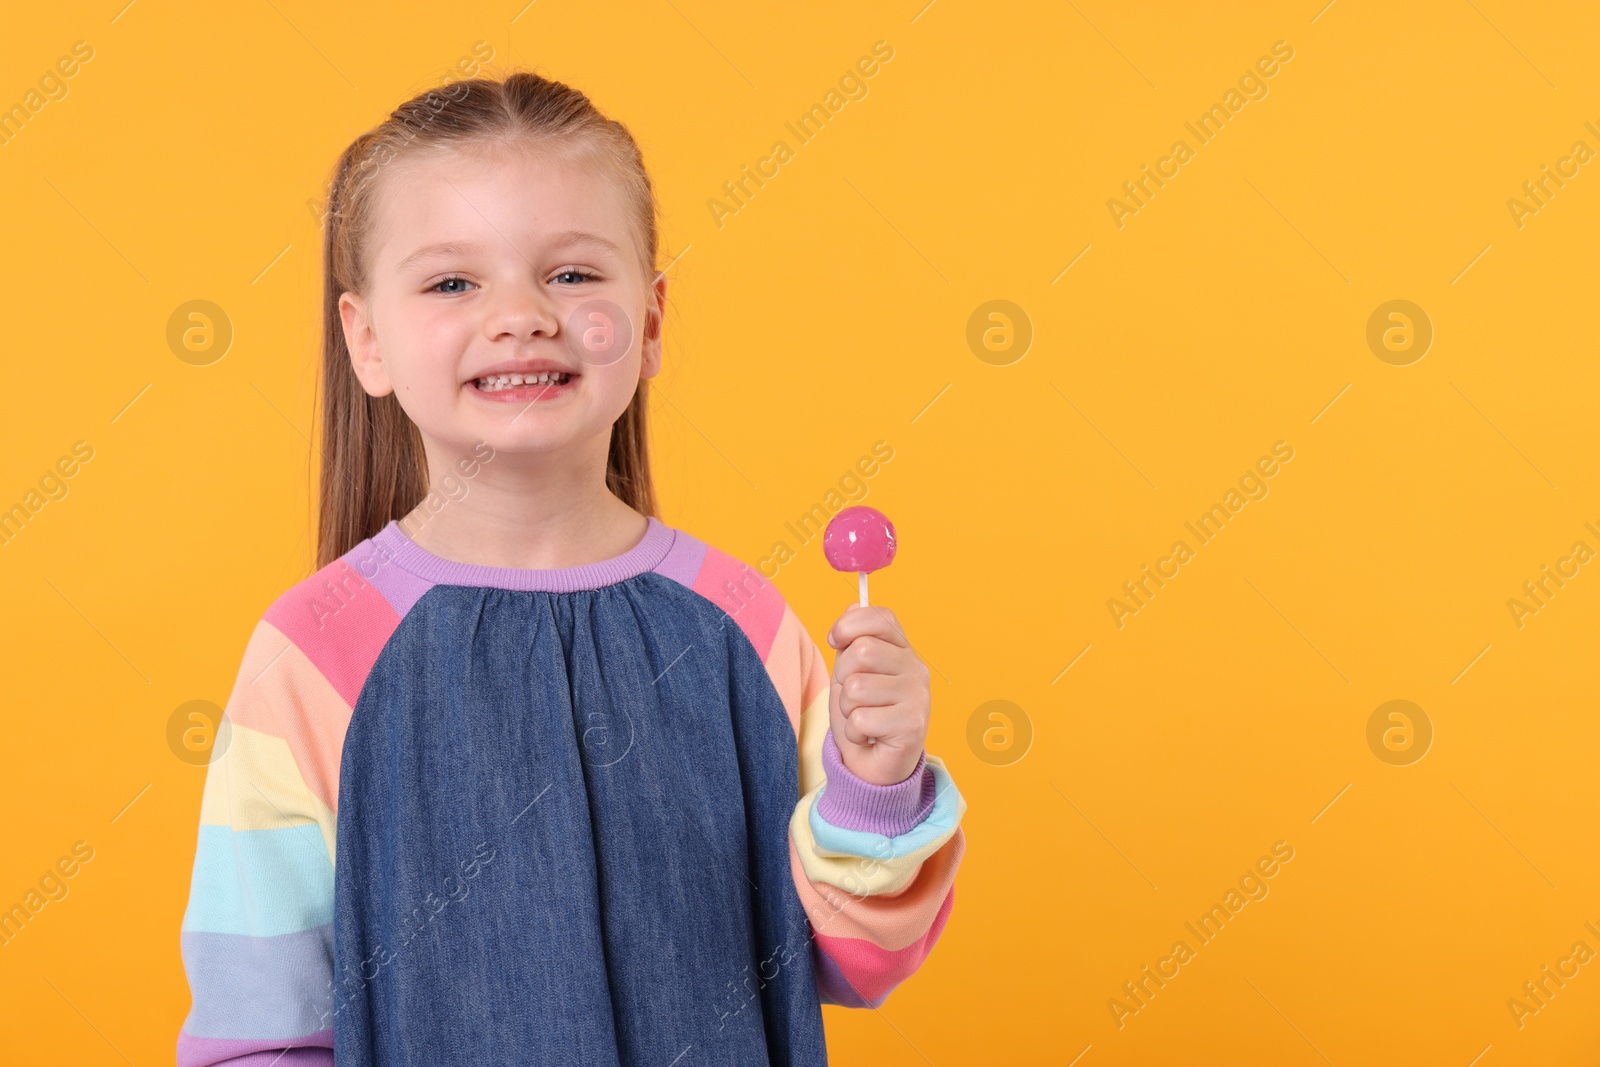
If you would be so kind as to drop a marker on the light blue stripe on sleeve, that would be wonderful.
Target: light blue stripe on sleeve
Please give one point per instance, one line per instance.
(261, 883)
(941, 822)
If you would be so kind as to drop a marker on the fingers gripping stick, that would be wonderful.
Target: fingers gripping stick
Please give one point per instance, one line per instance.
(859, 539)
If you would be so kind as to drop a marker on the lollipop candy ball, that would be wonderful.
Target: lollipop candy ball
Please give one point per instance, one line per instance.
(859, 539)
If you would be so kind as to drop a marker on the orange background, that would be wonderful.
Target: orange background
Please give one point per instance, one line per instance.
(831, 311)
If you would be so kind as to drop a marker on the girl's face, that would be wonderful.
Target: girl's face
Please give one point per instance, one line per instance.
(503, 262)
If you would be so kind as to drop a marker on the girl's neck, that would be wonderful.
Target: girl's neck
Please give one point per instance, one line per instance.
(509, 516)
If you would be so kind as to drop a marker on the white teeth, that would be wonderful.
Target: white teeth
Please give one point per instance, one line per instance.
(507, 381)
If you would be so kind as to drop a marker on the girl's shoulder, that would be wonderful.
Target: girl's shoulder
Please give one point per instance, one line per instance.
(337, 619)
(750, 599)
(743, 593)
(316, 644)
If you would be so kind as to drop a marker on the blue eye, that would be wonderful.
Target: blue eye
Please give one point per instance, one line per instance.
(574, 272)
(446, 281)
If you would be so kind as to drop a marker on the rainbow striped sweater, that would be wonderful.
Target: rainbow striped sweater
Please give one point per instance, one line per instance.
(460, 813)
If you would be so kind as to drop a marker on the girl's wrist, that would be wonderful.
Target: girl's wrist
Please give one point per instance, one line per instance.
(853, 803)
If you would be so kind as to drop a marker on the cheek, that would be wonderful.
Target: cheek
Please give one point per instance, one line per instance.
(616, 384)
(441, 332)
(424, 353)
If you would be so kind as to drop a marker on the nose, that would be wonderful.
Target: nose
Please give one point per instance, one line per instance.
(522, 311)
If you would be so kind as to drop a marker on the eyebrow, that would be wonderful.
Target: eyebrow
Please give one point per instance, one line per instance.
(456, 248)
(448, 248)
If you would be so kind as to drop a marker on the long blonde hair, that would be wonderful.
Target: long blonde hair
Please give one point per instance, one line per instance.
(372, 464)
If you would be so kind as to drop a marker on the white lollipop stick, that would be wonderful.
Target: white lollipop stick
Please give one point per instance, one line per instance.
(861, 580)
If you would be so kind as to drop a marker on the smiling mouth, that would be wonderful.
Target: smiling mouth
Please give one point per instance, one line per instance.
(543, 380)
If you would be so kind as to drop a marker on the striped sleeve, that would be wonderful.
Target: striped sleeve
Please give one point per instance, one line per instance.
(875, 866)
(257, 934)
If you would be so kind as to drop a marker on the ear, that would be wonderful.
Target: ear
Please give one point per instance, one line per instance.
(655, 312)
(362, 342)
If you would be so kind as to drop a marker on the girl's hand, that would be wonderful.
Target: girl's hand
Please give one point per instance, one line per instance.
(879, 690)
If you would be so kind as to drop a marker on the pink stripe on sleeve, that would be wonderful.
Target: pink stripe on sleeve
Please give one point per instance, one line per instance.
(339, 621)
(870, 972)
(740, 591)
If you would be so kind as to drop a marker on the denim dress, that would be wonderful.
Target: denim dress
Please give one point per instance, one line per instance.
(562, 829)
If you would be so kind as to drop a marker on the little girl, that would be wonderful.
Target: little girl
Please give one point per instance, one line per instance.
(522, 775)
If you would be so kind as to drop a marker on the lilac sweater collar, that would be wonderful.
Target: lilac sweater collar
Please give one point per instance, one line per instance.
(643, 557)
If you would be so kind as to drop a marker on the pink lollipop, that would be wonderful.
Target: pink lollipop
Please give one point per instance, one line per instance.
(859, 539)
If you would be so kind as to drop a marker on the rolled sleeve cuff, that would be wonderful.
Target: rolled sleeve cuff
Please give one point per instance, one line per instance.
(851, 802)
